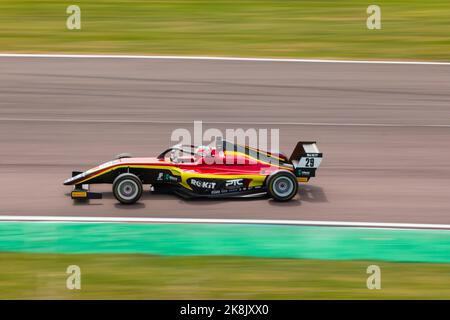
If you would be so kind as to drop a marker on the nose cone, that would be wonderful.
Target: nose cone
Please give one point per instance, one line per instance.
(75, 177)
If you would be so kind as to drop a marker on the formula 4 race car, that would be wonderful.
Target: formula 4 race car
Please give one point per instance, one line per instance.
(226, 170)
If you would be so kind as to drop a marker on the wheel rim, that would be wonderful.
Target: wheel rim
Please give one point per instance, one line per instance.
(283, 186)
(128, 189)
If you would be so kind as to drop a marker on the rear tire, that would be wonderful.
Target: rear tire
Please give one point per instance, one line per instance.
(127, 188)
(282, 185)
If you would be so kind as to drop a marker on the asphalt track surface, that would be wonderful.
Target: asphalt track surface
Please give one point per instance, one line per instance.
(384, 131)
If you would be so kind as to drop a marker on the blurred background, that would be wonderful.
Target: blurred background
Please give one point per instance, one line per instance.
(417, 30)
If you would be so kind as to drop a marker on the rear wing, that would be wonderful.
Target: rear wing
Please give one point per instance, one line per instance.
(306, 158)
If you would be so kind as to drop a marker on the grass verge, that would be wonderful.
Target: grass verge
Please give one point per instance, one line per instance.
(413, 29)
(43, 276)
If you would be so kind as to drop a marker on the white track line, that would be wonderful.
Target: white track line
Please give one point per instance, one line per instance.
(154, 57)
(329, 124)
(228, 221)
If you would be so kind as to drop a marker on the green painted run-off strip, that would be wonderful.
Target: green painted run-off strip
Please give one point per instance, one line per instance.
(272, 241)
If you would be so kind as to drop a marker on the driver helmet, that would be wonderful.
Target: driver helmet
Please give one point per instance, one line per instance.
(203, 151)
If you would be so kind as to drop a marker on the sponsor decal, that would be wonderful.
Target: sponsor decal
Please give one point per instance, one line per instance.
(166, 177)
(170, 178)
(203, 184)
(234, 183)
(300, 172)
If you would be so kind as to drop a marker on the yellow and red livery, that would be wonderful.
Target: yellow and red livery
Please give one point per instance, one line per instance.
(227, 170)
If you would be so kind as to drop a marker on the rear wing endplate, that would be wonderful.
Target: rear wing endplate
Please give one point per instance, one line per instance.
(306, 158)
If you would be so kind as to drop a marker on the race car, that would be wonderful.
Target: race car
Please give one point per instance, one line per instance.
(225, 170)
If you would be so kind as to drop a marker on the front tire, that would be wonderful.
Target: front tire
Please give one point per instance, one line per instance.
(127, 188)
(282, 185)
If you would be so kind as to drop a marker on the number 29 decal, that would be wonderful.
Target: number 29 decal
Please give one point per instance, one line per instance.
(309, 163)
